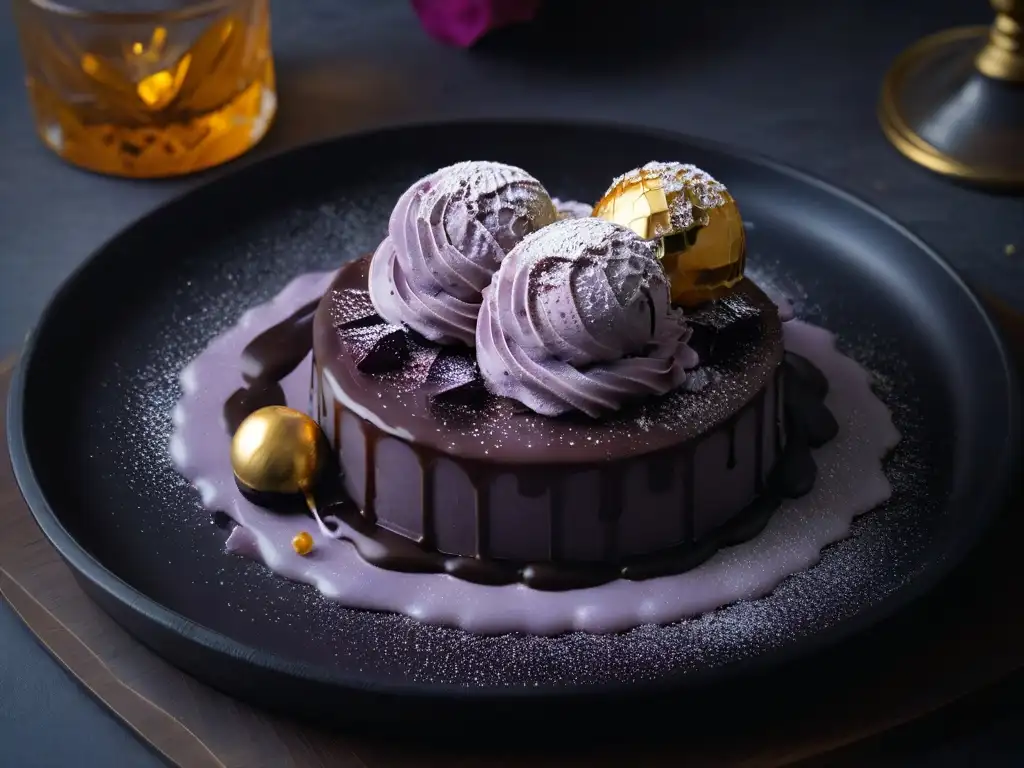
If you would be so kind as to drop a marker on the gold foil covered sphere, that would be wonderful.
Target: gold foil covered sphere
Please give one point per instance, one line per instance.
(277, 450)
(696, 220)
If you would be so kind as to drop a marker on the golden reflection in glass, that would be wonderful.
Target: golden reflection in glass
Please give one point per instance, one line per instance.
(149, 93)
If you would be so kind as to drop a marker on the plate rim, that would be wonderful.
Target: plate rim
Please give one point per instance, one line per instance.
(86, 566)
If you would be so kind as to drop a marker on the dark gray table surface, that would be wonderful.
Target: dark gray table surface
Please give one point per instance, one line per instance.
(795, 80)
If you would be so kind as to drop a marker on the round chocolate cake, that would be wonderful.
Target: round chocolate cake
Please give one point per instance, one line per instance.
(584, 403)
(511, 394)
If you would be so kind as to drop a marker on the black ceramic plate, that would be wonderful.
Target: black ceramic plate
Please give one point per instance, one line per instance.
(90, 411)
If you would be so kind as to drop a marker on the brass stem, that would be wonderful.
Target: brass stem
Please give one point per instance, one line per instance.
(1002, 57)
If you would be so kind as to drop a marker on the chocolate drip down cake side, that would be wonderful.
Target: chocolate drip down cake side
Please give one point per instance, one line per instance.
(533, 407)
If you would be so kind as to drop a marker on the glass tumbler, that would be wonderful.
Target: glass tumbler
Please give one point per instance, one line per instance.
(148, 88)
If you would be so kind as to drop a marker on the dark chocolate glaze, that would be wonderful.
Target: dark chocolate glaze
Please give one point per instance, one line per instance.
(792, 476)
(266, 360)
(433, 402)
(807, 421)
(436, 396)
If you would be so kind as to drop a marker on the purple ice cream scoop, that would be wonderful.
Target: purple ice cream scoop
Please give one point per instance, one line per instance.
(447, 236)
(579, 318)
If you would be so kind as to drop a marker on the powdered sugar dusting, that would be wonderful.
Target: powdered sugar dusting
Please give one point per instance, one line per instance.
(708, 192)
(572, 209)
(447, 234)
(850, 482)
(506, 200)
(691, 191)
(596, 240)
(579, 318)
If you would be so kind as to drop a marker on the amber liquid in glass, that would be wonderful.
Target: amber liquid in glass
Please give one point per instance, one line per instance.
(152, 105)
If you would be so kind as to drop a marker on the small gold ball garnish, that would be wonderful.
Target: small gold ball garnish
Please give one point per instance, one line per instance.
(695, 220)
(302, 543)
(278, 450)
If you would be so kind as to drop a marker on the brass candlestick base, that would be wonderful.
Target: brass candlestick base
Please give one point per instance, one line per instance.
(954, 102)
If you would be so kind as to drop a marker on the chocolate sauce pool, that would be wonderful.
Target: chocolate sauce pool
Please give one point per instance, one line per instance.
(849, 470)
(808, 424)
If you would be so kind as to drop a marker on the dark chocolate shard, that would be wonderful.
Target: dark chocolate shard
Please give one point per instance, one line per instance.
(726, 312)
(451, 369)
(378, 348)
(350, 308)
(472, 392)
(699, 379)
(723, 324)
(454, 379)
(702, 340)
(420, 361)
